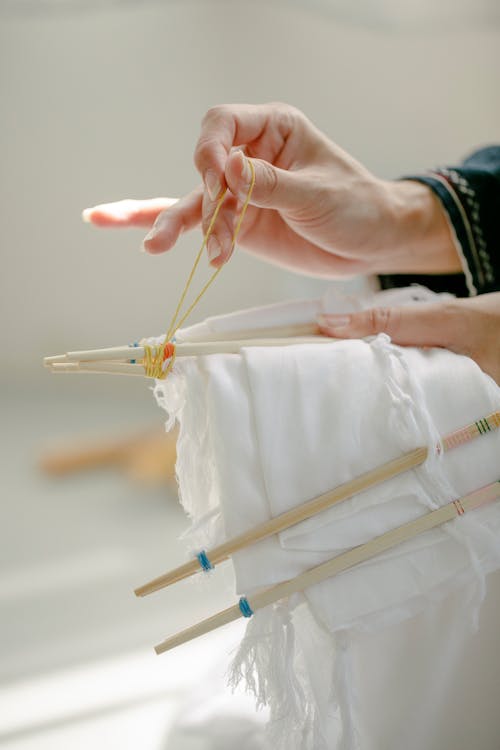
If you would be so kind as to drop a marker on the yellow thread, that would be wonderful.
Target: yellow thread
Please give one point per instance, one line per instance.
(155, 356)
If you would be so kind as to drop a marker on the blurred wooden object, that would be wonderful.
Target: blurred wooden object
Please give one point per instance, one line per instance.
(147, 457)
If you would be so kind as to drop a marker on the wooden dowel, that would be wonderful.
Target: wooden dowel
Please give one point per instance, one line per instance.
(285, 331)
(291, 517)
(251, 337)
(338, 564)
(110, 353)
(196, 349)
(56, 359)
(188, 348)
(154, 446)
(106, 368)
(312, 507)
(205, 626)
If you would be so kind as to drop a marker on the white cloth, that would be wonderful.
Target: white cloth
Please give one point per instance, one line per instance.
(266, 430)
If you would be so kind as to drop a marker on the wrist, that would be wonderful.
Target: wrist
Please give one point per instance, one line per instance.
(421, 238)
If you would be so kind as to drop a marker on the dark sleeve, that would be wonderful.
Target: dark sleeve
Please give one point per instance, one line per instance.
(470, 195)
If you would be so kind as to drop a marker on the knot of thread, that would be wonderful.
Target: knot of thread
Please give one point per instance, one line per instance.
(155, 357)
(158, 359)
(204, 561)
(245, 607)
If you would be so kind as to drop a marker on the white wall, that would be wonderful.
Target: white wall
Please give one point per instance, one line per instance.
(98, 105)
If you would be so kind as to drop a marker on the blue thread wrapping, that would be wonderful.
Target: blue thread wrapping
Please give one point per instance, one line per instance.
(204, 561)
(245, 608)
(135, 344)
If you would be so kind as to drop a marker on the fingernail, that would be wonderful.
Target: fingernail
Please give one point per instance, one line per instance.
(150, 236)
(86, 215)
(214, 248)
(334, 321)
(212, 184)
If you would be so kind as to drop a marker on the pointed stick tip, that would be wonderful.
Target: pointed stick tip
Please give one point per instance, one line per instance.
(177, 574)
(56, 359)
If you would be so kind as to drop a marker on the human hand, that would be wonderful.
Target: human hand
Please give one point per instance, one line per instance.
(465, 326)
(313, 209)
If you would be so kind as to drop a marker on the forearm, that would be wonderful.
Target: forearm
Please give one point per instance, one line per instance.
(468, 198)
(423, 240)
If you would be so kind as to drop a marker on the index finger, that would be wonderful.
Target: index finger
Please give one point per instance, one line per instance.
(127, 213)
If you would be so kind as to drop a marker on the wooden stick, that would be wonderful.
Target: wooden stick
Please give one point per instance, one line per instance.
(274, 525)
(290, 518)
(110, 368)
(184, 349)
(338, 564)
(151, 445)
(285, 331)
(111, 353)
(57, 359)
(129, 351)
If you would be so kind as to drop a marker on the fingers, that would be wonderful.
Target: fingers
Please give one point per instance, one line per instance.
(172, 222)
(220, 241)
(225, 127)
(127, 213)
(415, 325)
(273, 188)
(465, 326)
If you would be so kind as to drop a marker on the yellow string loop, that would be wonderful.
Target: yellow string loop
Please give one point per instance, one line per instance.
(156, 356)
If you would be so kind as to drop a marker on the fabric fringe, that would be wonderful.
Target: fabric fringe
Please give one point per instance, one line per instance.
(279, 642)
(264, 662)
(345, 692)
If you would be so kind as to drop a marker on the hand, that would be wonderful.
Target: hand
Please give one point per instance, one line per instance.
(314, 209)
(465, 326)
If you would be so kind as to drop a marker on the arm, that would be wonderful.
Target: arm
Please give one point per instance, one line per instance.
(470, 197)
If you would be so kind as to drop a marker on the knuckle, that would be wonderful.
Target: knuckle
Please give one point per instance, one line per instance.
(214, 114)
(269, 179)
(203, 150)
(205, 153)
(287, 117)
(286, 110)
(383, 320)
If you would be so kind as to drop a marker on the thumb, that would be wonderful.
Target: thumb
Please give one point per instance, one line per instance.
(414, 325)
(273, 187)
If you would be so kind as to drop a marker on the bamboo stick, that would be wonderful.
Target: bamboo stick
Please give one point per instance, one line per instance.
(338, 564)
(148, 454)
(274, 525)
(290, 518)
(130, 351)
(110, 368)
(184, 349)
(285, 331)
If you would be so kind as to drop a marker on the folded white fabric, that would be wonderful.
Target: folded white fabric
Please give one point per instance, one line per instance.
(267, 429)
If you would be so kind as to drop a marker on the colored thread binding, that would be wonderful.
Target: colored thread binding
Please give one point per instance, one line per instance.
(482, 426)
(204, 561)
(135, 345)
(159, 360)
(245, 607)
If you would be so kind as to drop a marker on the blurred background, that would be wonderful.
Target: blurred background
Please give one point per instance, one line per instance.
(101, 101)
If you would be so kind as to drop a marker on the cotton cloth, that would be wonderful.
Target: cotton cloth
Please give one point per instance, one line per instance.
(269, 428)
